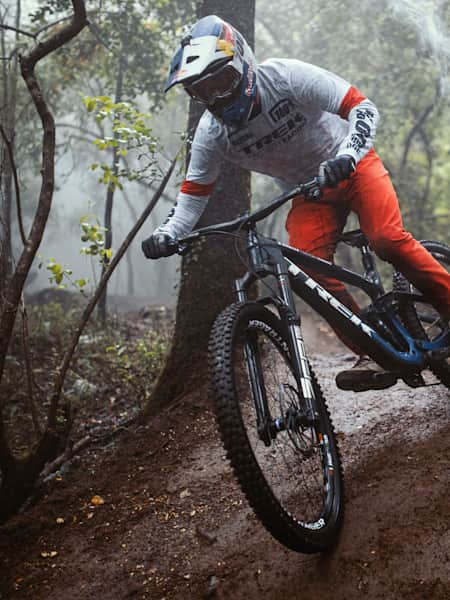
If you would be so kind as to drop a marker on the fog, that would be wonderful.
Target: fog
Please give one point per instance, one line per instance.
(81, 195)
(282, 29)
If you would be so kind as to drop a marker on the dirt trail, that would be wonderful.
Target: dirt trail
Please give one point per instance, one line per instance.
(173, 523)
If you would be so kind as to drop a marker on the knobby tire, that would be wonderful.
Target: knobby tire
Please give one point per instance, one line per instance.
(418, 317)
(278, 481)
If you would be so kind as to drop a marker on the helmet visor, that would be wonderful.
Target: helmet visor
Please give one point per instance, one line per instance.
(214, 86)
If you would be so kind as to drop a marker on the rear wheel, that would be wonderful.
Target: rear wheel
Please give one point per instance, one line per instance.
(288, 467)
(420, 318)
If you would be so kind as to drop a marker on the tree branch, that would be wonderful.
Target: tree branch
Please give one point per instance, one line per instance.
(27, 64)
(67, 358)
(17, 30)
(14, 290)
(97, 34)
(16, 184)
(58, 39)
(38, 32)
(69, 453)
(145, 184)
(29, 368)
(50, 25)
(414, 129)
(4, 70)
(423, 116)
(74, 448)
(429, 154)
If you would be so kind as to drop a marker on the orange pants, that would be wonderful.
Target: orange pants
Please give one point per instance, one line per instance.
(316, 226)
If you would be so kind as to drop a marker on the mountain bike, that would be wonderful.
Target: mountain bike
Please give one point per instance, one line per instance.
(272, 416)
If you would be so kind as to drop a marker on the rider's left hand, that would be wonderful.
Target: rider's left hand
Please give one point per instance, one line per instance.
(332, 171)
(159, 244)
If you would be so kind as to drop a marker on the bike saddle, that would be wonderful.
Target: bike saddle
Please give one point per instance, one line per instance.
(355, 238)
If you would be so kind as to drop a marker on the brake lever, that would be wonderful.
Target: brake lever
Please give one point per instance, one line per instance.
(312, 191)
(183, 249)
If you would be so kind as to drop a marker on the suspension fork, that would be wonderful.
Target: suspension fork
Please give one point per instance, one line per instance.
(296, 343)
(276, 266)
(254, 367)
(256, 376)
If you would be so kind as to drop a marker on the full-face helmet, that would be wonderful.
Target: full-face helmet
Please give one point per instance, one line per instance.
(216, 67)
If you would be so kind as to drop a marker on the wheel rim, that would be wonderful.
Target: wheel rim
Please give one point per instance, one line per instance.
(297, 465)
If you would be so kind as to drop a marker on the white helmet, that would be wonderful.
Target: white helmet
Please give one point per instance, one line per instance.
(216, 66)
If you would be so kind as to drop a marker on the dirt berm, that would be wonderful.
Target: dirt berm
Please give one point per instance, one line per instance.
(157, 515)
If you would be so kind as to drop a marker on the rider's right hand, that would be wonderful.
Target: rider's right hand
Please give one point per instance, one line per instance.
(158, 245)
(335, 170)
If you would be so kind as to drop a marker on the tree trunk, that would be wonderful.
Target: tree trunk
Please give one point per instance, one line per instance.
(111, 188)
(5, 221)
(208, 271)
(18, 475)
(9, 102)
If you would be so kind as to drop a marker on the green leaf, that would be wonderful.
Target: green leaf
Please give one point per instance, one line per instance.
(90, 104)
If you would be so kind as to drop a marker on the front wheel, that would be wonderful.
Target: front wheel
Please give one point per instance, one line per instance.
(420, 318)
(288, 467)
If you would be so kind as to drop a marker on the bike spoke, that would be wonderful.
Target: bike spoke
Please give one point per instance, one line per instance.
(288, 468)
(293, 464)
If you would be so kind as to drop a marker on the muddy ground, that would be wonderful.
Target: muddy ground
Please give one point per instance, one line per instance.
(156, 514)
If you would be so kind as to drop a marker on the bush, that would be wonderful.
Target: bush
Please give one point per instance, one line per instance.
(114, 369)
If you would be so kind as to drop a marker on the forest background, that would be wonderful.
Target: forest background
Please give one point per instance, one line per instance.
(63, 385)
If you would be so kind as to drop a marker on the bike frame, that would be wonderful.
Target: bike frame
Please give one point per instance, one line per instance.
(395, 349)
(286, 264)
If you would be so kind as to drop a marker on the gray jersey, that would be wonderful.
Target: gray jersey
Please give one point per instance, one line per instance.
(308, 115)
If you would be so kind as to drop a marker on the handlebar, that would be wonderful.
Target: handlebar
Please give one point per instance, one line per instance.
(310, 189)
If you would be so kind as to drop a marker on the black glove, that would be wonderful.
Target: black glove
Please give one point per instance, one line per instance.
(158, 245)
(332, 171)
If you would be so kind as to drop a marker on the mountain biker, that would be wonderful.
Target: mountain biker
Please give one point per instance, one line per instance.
(292, 120)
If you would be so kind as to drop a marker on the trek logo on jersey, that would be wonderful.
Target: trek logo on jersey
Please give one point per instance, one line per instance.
(289, 123)
(281, 135)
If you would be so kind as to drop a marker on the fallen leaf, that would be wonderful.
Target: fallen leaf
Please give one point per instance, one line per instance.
(59, 520)
(185, 493)
(97, 500)
(50, 554)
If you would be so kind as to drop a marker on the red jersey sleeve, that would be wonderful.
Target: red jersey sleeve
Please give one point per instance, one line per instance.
(351, 99)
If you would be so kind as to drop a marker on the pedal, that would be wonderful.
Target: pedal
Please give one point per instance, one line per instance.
(414, 380)
(372, 381)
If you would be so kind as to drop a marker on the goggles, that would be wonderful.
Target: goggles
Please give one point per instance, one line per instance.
(214, 86)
